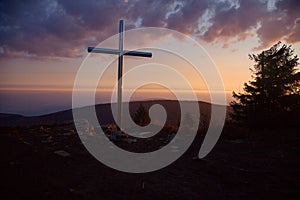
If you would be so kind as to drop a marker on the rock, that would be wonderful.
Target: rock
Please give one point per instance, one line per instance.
(67, 134)
(129, 140)
(116, 135)
(47, 140)
(62, 153)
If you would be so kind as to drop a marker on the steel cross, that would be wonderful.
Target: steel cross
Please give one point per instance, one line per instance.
(120, 52)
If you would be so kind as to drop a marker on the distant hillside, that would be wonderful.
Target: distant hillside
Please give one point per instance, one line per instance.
(103, 112)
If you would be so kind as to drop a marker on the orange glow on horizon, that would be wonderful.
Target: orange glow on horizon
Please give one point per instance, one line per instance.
(68, 89)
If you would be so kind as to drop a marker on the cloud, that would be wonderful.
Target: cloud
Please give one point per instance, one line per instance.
(64, 28)
(280, 24)
(234, 21)
(55, 28)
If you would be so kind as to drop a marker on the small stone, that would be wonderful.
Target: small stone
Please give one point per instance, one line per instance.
(62, 153)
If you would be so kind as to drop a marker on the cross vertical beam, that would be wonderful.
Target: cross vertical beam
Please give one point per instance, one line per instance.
(120, 52)
(120, 74)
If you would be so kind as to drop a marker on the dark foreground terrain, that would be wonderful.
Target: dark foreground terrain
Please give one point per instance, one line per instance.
(50, 162)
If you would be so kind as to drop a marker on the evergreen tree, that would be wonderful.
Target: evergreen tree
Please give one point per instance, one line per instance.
(273, 96)
(141, 116)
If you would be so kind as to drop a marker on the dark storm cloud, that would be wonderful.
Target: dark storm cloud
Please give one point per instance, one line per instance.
(64, 27)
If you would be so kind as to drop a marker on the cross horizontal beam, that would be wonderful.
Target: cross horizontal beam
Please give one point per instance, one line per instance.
(118, 52)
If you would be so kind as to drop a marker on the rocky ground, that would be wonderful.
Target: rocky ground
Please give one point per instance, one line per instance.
(50, 162)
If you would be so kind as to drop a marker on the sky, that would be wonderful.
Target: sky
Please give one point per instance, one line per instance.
(43, 43)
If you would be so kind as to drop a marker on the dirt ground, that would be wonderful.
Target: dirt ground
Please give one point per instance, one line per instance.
(245, 164)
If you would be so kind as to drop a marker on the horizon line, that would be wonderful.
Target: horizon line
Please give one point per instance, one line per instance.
(104, 103)
(66, 89)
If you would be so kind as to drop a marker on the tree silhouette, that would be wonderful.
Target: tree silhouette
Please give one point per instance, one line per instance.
(273, 96)
(141, 116)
